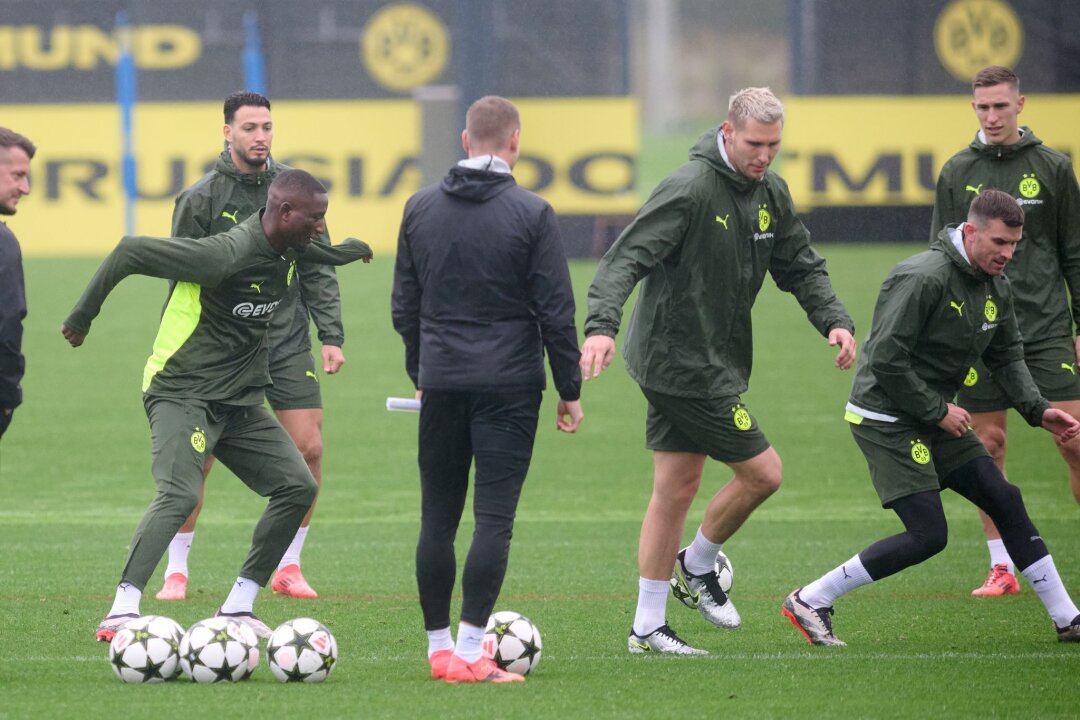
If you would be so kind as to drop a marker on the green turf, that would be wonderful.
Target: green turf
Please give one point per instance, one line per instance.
(75, 481)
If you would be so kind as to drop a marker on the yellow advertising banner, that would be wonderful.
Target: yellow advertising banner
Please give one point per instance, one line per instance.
(578, 153)
(870, 150)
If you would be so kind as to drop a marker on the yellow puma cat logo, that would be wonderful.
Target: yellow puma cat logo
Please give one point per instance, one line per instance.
(958, 308)
(256, 288)
(231, 216)
(1070, 368)
(975, 189)
(723, 220)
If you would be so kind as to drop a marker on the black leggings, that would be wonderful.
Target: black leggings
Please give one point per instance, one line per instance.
(497, 429)
(926, 532)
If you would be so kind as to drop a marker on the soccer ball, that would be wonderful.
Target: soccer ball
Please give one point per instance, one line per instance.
(513, 642)
(145, 650)
(301, 650)
(218, 650)
(724, 572)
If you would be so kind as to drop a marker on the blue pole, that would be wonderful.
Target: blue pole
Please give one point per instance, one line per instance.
(125, 97)
(254, 65)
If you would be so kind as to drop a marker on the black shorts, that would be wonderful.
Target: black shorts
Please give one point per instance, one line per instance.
(296, 384)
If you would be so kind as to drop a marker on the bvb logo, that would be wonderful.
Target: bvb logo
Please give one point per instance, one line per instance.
(920, 453)
(764, 219)
(971, 34)
(198, 440)
(972, 377)
(990, 309)
(1029, 186)
(404, 46)
(742, 418)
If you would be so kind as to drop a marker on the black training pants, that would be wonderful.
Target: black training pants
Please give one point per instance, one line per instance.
(497, 429)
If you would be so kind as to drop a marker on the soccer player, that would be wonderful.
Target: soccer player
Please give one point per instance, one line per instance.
(15, 154)
(203, 386)
(701, 246)
(226, 196)
(1045, 275)
(936, 313)
(481, 291)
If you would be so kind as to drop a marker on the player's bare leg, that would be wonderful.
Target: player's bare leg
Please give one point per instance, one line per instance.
(1070, 451)
(676, 478)
(754, 481)
(305, 428)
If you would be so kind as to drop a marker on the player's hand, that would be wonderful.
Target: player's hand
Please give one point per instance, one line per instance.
(1064, 426)
(846, 357)
(1078, 350)
(956, 421)
(332, 359)
(71, 336)
(365, 258)
(596, 355)
(568, 416)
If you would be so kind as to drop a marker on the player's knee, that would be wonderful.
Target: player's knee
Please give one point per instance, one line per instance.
(933, 540)
(765, 478)
(995, 441)
(311, 447)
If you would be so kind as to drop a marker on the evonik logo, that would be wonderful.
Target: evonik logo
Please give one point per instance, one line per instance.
(251, 310)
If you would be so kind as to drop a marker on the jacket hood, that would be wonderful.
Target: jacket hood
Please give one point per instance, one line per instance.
(707, 151)
(476, 185)
(226, 166)
(943, 243)
(1027, 140)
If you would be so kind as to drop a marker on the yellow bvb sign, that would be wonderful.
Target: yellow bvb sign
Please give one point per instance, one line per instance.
(971, 34)
(404, 46)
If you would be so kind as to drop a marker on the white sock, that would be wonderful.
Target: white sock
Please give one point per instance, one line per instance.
(126, 601)
(999, 555)
(1044, 579)
(242, 596)
(651, 605)
(292, 555)
(469, 640)
(839, 581)
(178, 553)
(439, 640)
(700, 557)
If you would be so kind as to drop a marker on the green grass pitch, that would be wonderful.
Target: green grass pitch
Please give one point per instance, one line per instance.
(75, 480)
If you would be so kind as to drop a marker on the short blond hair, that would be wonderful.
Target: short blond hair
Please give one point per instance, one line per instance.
(758, 103)
(491, 121)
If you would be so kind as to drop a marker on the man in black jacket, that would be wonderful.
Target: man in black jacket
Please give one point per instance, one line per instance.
(15, 154)
(481, 290)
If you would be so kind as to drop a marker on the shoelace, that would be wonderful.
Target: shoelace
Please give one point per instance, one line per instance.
(667, 632)
(712, 584)
(824, 615)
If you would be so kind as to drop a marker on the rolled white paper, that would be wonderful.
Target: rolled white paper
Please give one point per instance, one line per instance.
(403, 404)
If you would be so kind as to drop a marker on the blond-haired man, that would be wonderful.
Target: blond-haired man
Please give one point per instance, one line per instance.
(701, 246)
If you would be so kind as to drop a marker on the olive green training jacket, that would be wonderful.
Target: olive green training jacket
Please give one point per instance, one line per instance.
(934, 315)
(226, 196)
(701, 246)
(1047, 261)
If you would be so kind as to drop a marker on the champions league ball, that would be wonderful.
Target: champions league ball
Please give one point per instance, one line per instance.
(513, 642)
(145, 650)
(218, 649)
(301, 650)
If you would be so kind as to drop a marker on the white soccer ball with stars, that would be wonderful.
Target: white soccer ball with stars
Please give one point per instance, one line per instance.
(218, 649)
(301, 650)
(513, 642)
(146, 650)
